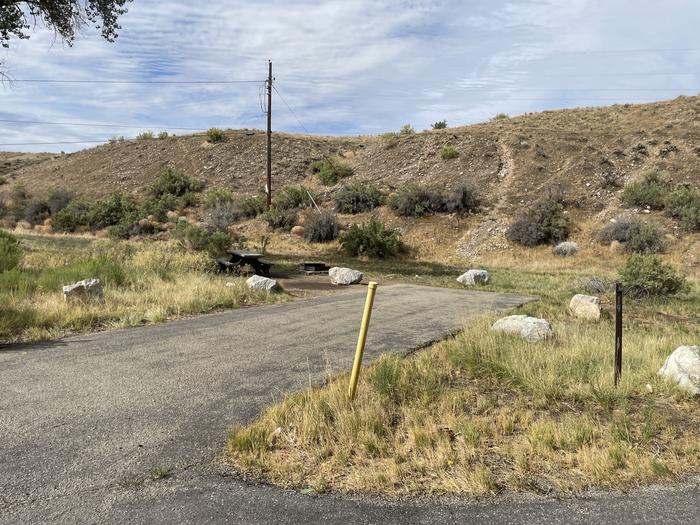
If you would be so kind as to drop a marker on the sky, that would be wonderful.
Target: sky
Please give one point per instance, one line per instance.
(344, 67)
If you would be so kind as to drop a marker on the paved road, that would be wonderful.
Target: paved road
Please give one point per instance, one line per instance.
(83, 420)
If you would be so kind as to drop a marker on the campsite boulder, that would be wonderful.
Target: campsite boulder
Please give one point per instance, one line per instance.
(258, 282)
(529, 328)
(683, 366)
(585, 307)
(298, 231)
(82, 290)
(344, 276)
(474, 277)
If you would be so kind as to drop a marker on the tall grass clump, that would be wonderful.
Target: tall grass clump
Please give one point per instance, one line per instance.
(215, 135)
(649, 192)
(358, 197)
(10, 251)
(542, 223)
(448, 152)
(145, 135)
(330, 171)
(371, 240)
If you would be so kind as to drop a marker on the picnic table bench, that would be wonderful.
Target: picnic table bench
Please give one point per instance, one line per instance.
(239, 258)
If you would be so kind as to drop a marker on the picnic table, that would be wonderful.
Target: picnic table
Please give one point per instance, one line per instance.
(239, 258)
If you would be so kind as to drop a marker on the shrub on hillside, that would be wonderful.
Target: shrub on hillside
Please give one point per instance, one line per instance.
(440, 124)
(72, 217)
(58, 199)
(215, 135)
(636, 236)
(683, 204)
(416, 201)
(251, 206)
(10, 251)
(372, 240)
(145, 135)
(449, 152)
(649, 275)
(159, 206)
(407, 129)
(217, 196)
(174, 182)
(500, 116)
(19, 197)
(330, 171)
(463, 199)
(200, 239)
(163, 135)
(543, 223)
(36, 211)
(358, 197)
(293, 197)
(3, 180)
(221, 216)
(111, 210)
(278, 219)
(320, 227)
(650, 191)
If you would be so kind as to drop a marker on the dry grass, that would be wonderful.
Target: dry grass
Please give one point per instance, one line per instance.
(484, 413)
(143, 283)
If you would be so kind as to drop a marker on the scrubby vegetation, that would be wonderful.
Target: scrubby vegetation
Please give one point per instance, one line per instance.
(294, 197)
(649, 275)
(463, 199)
(175, 182)
(448, 152)
(330, 171)
(358, 197)
(321, 227)
(649, 192)
(143, 283)
(407, 129)
(635, 235)
(683, 204)
(440, 124)
(280, 219)
(215, 135)
(542, 223)
(416, 201)
(371, 240)
(145, 135)
(10, 252)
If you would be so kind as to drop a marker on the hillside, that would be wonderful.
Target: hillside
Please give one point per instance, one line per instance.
(588, 153)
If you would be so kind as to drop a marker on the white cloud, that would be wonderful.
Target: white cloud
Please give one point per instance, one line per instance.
(351, 66)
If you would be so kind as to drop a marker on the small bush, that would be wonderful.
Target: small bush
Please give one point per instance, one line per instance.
(217, 196)
(500, 116)
(215, 135)
(390, 135)
(199, 239)
(416, 201)
(320, 227)
(251, 206)
(449, 152)
(407, 129)
(36, 211)
(293, 197)
(649, 275)
(440, 124)
(543, 223)
(463, 199)
(358, 197)
(174, 182)
(58, 199)
(650, 191)
(330, 171)
(111, 210)
(636, 236)
(163, 135)
(19, 197)
(278, 219)
(159, 206)
(3, 180)
(371, 240)
(683, 204)
(10, 251)
(145, 135)
(221, 216)
(72, 217)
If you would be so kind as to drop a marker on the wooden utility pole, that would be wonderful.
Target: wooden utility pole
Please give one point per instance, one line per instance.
(269, 136)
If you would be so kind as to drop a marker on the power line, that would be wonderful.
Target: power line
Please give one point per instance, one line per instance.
(140, 126)
(53, 81)
(55, 143)
(291, 110)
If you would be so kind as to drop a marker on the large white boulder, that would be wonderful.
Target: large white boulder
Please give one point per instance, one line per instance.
(474, 277)
(585, 307)
(683, 366)
(344, 276)
(258, 282)
(82, 290)
(529, 328)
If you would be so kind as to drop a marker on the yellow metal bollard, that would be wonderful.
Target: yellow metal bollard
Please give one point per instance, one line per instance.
(355, 376)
